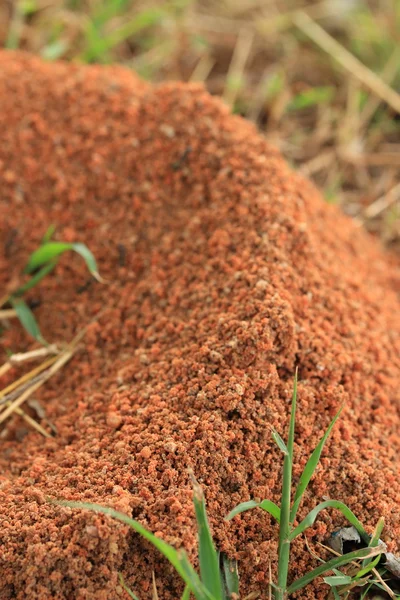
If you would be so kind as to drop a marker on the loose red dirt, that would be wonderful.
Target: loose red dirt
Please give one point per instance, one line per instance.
(226, 271)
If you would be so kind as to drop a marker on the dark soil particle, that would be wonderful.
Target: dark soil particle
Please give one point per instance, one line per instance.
(233, 271)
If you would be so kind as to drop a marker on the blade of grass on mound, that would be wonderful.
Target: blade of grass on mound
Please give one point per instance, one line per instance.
(51, 250)
(178, 559)
(310, 467)
(208, 556)
(267, 505)
(126, 589)
(371, 564)
(231, 576)
(284, 526)
(339, 561)
(336, 580)
(308, 521)
(279, 442)
(27, 319)
(48, 234)
(374, 541)
(186, 593)
(36, 278)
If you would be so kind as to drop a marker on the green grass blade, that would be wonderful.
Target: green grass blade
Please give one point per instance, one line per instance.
(365, 592)
(310, 468)
(36, 278)
(177, 559)
(27, 319)
(197, 587)
(272, 508)
(377, 533)
(46, 253)
(49, 234)
(100, 43)
(51, 250)
(231, 576)
(107, 11)
(335, 580)
(336, 562)
(368, 566)
(147, 18)
(311, 97)
(89, 259)
(284, 526)
(335, 594)
(125, 587)
(279, 442)
(208, 556)
(292, 423)
(345, 510)
(266, 505)
(186, 593)
(374, 541)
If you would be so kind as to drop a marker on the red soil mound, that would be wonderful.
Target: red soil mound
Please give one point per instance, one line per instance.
(227, 270)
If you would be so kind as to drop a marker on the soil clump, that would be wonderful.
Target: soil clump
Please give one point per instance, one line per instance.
(225, 271)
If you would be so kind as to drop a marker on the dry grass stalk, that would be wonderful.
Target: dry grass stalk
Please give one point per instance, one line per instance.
(347, 60)
(58, 364)
(27, 377)
(7, 313)
(383, 202)
(234, 77)
(26, 385)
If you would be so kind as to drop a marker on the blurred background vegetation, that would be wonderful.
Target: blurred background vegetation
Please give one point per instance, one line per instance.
(320, 79)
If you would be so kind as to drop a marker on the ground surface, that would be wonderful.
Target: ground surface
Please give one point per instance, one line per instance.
(226, 270)
(256, 55)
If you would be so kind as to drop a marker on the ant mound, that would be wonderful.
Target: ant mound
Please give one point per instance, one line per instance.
(224, 271)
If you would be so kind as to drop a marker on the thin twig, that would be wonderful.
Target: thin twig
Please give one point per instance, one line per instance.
(388, 73)
(22, 357)
(383, 202)
(8, 313)
(20, 389)
(236, 68)
(28, 376)
(155, 593)
(32, 422)
(383, 583)
(5, 368)
(60, 362)
(4, 300)
(56, 364)
(203, 68)
(16, 359)
(346, 59)
(269, 581)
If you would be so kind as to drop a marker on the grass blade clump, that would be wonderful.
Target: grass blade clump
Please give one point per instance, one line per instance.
(231, 576)
(218, 578)
(336, 562)
(309, 520)
(267, 505)
(284, 529)
(310, 467)
(286, 514)
(41, 262)
(49, 251)
(214, 583)
(177, 558)
(26, 318)
(208, 556)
